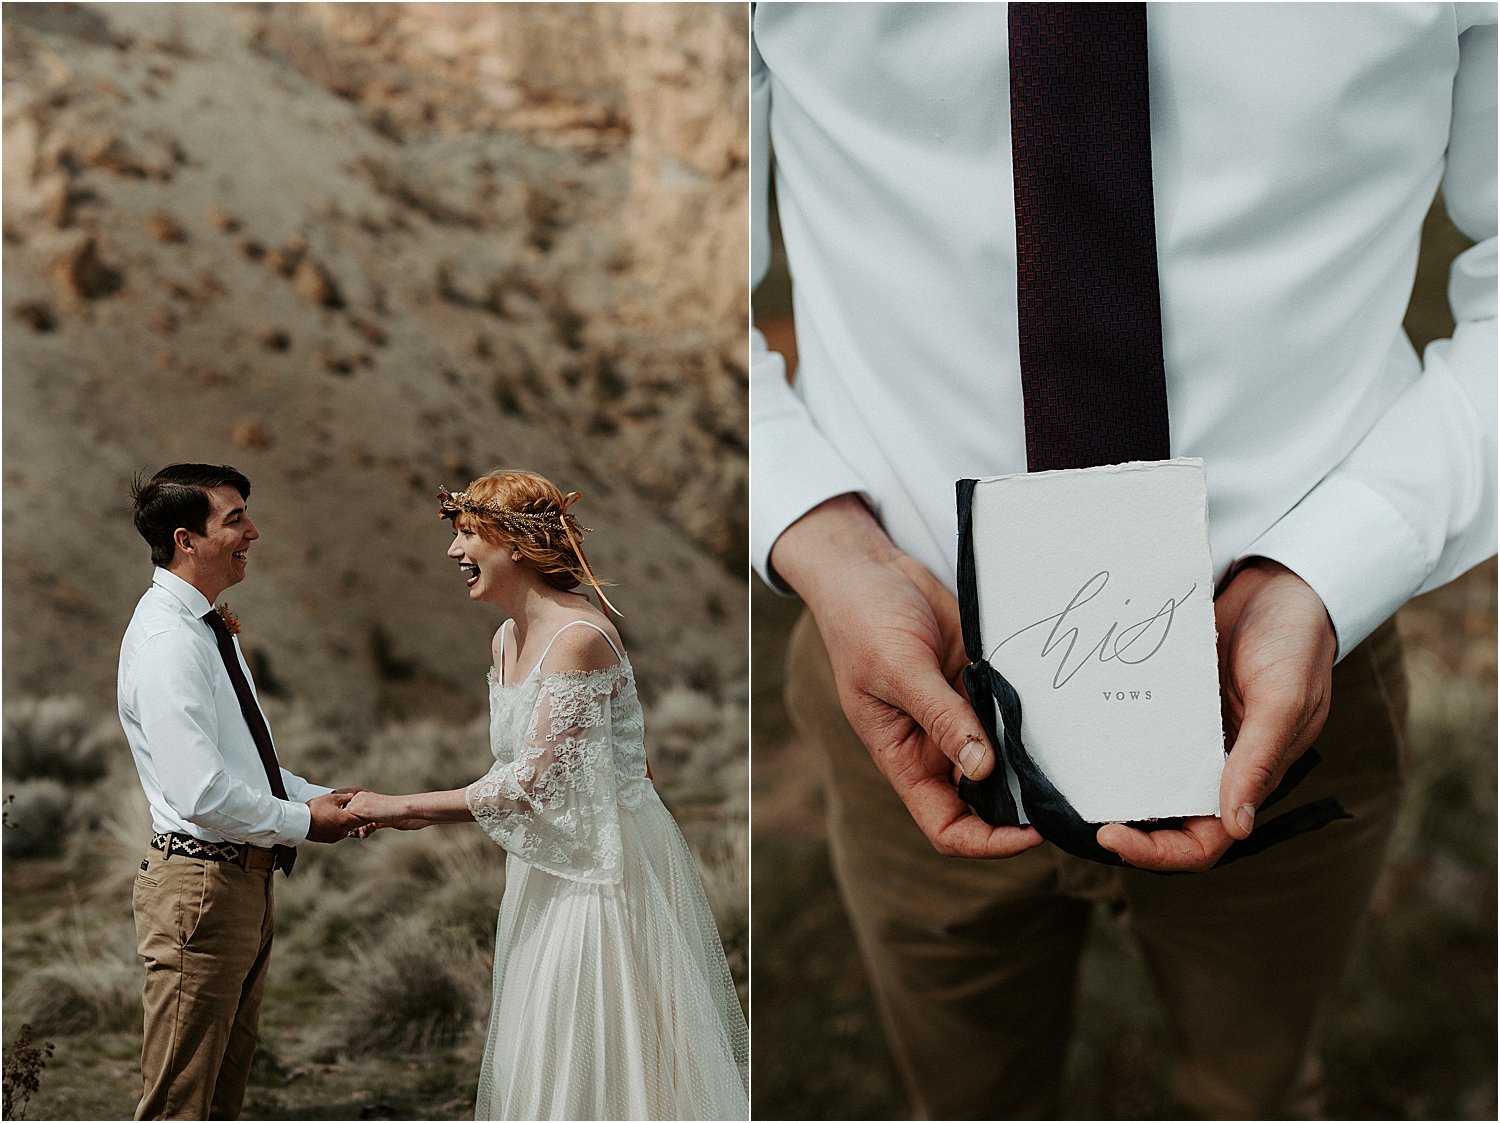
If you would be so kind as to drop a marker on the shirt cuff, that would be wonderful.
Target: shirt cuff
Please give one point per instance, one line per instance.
(295, 824)
(793, 467)
(1347, 542)
(782, 499)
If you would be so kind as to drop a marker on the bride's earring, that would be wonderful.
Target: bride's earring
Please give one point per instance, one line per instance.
(516, 556)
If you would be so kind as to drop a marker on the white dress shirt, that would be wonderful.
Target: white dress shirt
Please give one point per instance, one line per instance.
(1295, 151)
(192, 746)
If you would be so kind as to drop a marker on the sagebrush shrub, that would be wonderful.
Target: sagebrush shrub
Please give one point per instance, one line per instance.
(40, 821)
(55, 738)
(94, 988)
(417, 989)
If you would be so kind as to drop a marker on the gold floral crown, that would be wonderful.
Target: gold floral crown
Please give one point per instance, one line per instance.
(523, 524)
(530, 525)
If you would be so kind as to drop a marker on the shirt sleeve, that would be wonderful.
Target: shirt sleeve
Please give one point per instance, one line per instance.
(554, 806)
(300, 790)
(173, 700)
(793, 467)
(1414, 504)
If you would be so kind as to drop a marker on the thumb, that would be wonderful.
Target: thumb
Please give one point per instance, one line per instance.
(949, 720)
(1252, 771)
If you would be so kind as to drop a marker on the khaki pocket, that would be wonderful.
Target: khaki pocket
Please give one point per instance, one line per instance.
(148, 878)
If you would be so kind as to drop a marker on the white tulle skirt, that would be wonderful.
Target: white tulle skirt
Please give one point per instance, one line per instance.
(614, 1001)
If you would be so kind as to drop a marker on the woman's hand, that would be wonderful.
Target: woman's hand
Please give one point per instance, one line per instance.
(378, 811)
(411, 812)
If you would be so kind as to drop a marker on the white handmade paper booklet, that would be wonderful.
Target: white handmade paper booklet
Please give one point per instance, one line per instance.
(1095, 595)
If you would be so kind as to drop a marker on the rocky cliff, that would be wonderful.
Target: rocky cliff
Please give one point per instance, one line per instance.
(359, 251)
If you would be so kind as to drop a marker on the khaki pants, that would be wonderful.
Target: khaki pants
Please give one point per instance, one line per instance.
(974, 962)
(204, 929)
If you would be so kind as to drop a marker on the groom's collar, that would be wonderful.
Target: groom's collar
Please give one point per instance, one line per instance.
(192, 600)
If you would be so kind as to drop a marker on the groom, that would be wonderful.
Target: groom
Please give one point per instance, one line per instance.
(224, 813)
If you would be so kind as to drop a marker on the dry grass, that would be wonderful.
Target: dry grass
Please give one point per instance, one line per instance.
(38, 818)
(383, 947)
(416, 989)
(94, 987)
(56, 738)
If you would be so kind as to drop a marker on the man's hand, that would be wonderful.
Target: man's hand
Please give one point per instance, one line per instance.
(1276, 652)
(367, 829)
(330, 820)
(893, 636)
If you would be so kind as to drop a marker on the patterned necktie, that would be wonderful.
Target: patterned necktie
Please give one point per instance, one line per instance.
(286, 856)
(1088, 303)
(1091, 358)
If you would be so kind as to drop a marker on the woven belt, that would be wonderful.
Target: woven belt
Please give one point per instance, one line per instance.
(242, 854)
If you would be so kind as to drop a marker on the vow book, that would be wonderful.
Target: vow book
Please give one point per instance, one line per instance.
(1093, 589)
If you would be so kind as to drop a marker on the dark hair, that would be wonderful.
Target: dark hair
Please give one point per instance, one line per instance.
(177, 496)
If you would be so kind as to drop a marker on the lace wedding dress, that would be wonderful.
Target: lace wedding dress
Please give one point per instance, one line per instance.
(612, 996)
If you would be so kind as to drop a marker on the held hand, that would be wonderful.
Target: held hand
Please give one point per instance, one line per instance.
(399, 825)
(892, 633)
(375, 811)
(1276, 652)
(357, 832)
(331, 820)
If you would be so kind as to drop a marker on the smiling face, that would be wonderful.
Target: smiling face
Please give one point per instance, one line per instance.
(216, 559)
(487, 567)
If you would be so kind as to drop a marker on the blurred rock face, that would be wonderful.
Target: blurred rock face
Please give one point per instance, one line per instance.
(662, 83)
(359, 251)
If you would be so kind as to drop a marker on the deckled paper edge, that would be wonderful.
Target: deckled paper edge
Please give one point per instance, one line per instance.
(1013, 782)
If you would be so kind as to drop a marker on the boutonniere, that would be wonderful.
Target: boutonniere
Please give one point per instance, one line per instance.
(228, 617)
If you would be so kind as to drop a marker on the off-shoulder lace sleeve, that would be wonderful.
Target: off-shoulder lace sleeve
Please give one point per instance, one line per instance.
(554, 805)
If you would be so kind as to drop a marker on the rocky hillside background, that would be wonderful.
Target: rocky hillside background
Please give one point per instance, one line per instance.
(358, 251)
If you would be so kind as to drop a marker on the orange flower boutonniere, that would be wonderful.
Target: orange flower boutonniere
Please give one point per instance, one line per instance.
(228, 617)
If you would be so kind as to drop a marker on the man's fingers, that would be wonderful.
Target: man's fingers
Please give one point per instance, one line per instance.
(956, 831)
(1201, 842)
(1260, 757)
(948, 719)
(949, 824)
(972, 837)
(1276, 664)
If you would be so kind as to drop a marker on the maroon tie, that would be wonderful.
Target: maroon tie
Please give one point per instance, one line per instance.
(1087, 298)
(286, 856)
(1091, 358)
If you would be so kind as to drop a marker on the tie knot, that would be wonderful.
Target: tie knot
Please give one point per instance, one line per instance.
(222, 621)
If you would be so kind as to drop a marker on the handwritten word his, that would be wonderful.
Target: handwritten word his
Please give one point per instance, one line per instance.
(1127, 646)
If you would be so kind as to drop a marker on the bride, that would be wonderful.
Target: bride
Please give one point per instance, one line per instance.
(612, 996)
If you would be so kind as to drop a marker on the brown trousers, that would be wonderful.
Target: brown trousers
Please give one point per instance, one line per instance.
(974, 962)
(204, 929)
